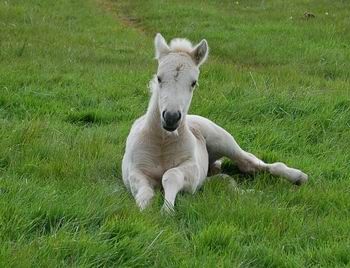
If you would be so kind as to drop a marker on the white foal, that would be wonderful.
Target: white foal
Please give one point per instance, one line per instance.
(166, 146)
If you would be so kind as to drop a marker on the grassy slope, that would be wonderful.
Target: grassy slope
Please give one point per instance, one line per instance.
(73, 77)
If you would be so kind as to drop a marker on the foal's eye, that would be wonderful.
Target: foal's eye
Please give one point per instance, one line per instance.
(159, 80)
(194, 83)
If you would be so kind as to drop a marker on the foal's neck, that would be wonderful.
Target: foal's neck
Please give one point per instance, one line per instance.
(153, 113)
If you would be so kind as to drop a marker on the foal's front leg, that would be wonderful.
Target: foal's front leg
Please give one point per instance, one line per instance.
(141, 188)
(174, 180)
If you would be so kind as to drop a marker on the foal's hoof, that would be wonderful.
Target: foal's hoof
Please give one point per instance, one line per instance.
(301, 179)
(215, 168)
(167, 209)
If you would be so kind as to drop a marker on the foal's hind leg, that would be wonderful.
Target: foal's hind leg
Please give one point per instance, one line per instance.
(249, 163)
(221, 144)
(214, 167)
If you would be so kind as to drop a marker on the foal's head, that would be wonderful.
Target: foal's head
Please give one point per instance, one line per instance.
(177, 75)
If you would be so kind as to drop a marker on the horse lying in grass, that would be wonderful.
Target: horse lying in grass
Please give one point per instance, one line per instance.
(169, 147)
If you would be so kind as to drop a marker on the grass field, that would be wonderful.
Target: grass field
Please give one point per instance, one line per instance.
(73, 78)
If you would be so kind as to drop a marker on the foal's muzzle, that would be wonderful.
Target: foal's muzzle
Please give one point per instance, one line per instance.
(171, 120)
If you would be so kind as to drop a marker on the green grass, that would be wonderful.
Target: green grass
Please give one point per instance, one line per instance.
(73, 78)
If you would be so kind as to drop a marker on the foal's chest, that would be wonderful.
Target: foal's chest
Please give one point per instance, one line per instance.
(161, 156)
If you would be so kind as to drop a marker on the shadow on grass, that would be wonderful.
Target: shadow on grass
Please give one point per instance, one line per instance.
(89, 118)
(232, 170)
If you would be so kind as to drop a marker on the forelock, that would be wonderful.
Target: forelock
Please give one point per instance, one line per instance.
(181, 45)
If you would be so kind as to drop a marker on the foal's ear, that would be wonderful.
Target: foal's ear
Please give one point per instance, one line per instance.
(161, 46)
(200, 53)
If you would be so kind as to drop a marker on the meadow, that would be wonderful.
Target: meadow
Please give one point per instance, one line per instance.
(74, 76)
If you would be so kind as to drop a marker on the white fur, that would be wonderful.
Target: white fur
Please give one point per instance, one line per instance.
(180, 160)
(181, 45)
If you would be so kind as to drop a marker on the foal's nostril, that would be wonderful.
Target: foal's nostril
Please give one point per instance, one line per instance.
(179, 115)
(171, 118)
